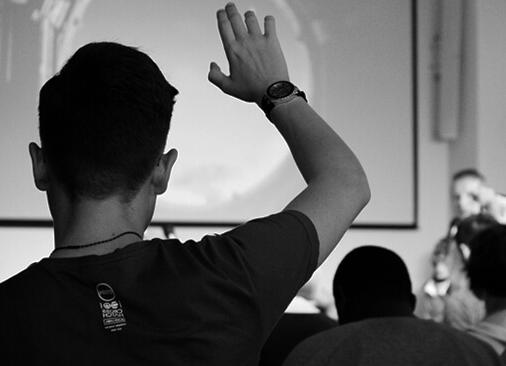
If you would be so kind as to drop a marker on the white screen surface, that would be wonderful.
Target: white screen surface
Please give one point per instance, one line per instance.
(353, 59)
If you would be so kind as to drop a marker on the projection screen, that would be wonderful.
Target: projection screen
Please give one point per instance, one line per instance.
(356, 61)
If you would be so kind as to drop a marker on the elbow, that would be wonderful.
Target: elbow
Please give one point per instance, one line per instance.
(366, 193)
(361, 189)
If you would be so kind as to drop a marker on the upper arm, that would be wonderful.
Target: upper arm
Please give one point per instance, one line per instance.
(332, 209)
(273, 257)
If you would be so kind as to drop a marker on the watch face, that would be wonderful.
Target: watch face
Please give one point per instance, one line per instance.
(280, 89)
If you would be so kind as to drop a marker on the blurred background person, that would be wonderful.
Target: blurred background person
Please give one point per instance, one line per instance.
(446, 297)
(487, 273)
(471, 196)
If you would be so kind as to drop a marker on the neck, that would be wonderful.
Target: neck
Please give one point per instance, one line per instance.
(380, 309)
(90, 221)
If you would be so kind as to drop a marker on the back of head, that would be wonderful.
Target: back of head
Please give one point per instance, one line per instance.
(104, 120)
(487, 263)
(372, 281)
(469, 227)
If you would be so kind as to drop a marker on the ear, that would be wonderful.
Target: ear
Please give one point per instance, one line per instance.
(39, 167)
(412, 302)
(161, 173)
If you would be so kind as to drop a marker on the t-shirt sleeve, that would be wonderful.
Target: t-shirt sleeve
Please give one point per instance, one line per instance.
(273, 257)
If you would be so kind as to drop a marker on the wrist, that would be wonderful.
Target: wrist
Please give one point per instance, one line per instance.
(287, 110)
(279, 93)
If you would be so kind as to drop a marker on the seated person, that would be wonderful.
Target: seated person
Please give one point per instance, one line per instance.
(487, 273)
(372, 290)
(446, 260)
(105, 296)
(302, 319)
(446, 297)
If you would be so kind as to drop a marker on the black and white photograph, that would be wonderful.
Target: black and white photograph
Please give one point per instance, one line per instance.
(256, 182)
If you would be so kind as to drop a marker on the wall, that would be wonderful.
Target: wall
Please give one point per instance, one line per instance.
(481, 141)
(482, 132)
(414, 246)
(463, 150)
(491, 90)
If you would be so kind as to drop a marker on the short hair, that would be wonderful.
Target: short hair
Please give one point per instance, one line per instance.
(487, 264)
(470, 226)
(374, 271)
(104, 120)
(468, 172)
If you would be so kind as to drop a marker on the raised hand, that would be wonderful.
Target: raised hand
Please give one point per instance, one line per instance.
(255, 59)
(337, 188)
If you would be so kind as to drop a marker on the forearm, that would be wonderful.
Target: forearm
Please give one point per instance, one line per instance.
(320, 154)
(337, 186)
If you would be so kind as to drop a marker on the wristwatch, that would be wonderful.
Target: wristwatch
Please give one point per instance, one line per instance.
(278, 93)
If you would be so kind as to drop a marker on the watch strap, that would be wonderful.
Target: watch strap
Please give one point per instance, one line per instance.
(267, 104)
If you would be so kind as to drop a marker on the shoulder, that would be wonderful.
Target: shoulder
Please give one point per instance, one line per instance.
(491, 333)
(329, 347)
(21, 282)
(18, 294)
(290, 222)
(447, 339)
(392, 339)
(290, 229)
(288, 236)
(314, 349)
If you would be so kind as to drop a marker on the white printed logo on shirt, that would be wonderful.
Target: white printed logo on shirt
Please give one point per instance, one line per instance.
(113, 317)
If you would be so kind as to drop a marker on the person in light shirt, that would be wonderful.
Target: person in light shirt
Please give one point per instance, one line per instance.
(471, 195)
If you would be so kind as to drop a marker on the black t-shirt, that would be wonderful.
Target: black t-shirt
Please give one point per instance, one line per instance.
(212, 302)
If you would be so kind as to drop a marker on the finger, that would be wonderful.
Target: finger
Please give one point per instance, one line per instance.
(217, 77)
(225, 29)
(270, 26)
(252, 23)
(236, 21)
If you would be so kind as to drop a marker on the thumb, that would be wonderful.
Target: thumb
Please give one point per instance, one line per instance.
(217, 77)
